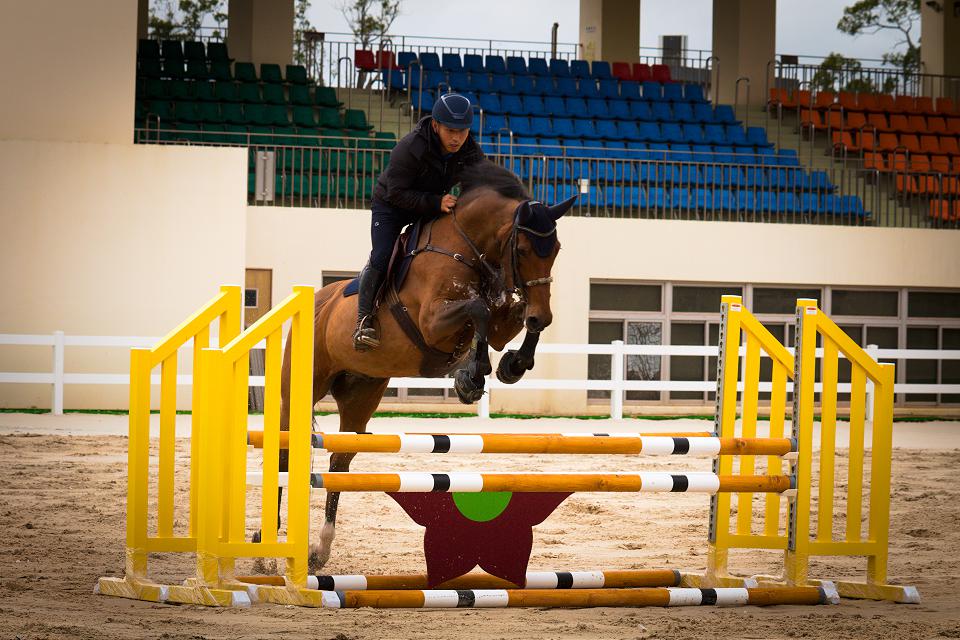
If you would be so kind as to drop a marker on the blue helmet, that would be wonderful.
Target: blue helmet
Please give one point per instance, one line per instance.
(453, 110)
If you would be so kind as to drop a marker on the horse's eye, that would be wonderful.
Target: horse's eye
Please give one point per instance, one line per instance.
(521, 252)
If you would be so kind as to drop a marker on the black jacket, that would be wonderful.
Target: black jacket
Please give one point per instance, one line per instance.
(418, 175)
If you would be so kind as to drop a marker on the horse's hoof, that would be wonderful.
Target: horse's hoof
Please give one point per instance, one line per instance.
(506, 369)
(256, 537)
(468, 390)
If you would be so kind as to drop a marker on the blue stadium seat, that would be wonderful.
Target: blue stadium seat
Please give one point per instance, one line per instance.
(580, 69)
(512, 104)
(430, 61)
(653, 198)
(758, 137)
(405, 59)
(616, 148)
(516, 66)
(788, 158)
(395, 79)
(683, 112)
(787, 202)
(495, 64)
(703, 199)
(554, 105)
(490, 103)
(619, 109)
(587, 88)
(585, 129)
(564, 128)
(723, 200)
(820, 181)
(575, 147)
(630, 90)
(734, 177)
(649, 131)
(746, 201)
(640, 110)
(481, 83)
(533, 105)
(809, 203)
(692, 133)
(473, 63)
(703, 113)
(723, 153)
(737, 137)
(724, 113)
(601, 70)
(422, 100)
(609, 88)
(671, 132)
(755, 177)
(693, 93)
(559, 68)
(852, 206)
(537, 67)
(565, 86)
(607, 129)
(451, 62)
(577, 108)
(525, 145)
(673, 92)
(652, 90)
(499, 83)
(522, 85)
(662, 112)
(680, 197)
(430, 78)
(520, 125)
(767, 202)
(493, 123)
(459, 81)
(543, 85)
(598, 110)
(541, 126)
(648, 173)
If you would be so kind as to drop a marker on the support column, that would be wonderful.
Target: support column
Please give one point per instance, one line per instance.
(940, 47)
(261, 31)
(610, 30)
(143, 16)
(744, 39)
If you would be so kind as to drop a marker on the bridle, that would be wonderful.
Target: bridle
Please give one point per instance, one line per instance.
(510, 244)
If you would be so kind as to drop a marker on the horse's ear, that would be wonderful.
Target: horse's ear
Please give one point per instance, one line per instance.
(561, 208)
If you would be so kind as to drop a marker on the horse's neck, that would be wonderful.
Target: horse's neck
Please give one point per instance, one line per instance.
(481, 224)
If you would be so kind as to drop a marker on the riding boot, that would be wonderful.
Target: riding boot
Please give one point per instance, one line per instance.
(366, 336)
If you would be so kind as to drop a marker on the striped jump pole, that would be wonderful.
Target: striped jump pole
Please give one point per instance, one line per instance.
(628, 578)
(469, 482)
(547, 443)
(255, 438)
(498, 598)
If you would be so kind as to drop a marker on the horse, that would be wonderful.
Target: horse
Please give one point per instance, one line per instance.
(478, 276)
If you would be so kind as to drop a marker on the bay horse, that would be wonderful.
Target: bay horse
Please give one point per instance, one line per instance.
(477, 277)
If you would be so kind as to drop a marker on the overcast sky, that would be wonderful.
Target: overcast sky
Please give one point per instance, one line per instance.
(804, 27)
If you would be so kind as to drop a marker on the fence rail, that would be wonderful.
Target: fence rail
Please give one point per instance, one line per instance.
(618, 384)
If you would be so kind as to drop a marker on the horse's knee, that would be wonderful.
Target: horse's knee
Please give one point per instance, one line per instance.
(341, 461)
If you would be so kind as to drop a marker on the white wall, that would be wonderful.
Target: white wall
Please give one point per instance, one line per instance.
(68, 70)
(122, 240)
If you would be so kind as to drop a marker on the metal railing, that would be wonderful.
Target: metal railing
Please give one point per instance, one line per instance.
(859, 79)
(650, 183)
(622, 378)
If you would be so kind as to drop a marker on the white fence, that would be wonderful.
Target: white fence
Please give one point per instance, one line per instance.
(617, 385)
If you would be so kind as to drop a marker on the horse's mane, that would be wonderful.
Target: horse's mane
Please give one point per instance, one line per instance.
(489, 175)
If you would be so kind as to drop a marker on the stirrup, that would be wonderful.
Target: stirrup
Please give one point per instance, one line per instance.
(366, 336)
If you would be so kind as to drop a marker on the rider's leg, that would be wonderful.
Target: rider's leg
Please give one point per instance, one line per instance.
(385, 227)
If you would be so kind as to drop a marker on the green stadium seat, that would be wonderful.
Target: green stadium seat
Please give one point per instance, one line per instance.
(187, 112)
(155, 89)
(331, 137)
(235, 133)
(326, 97)
(273, 94)
(233, 113)
(346, 186)
(197, 70)
(148, 49)
(356, 119)
(255, 114)
(226, 92)
(245, 72)
(261, 135)
(213, 134)
(309, 136)
(181, 90)
(171, 49)
(217, 52)
(368, 162)
(250, 93)
(303, 117)
(160, 109)
(330, 118)
(270, 73)
(277, 116)
(204, 91)
(172, 69)
(186, 133)
(385, 140)
(150, 68)
(299, 94)
(296, 74)
(194, 50)
(220, 70)
(210, 112)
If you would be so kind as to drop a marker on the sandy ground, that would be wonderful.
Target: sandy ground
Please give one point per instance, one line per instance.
(62, 508)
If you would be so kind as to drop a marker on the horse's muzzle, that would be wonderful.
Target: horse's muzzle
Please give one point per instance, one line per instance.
(535, 324)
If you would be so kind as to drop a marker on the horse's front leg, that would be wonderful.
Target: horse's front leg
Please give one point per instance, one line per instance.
(469, 382)
(514, 364)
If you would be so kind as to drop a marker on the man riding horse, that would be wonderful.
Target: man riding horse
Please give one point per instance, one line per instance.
(424, 167)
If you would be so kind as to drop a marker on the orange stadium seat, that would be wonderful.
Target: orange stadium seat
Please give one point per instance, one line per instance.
(856, 120)
(879, 122)
(824, 100)
(945, 210)
(905, 104)
(886, 104)
(834, 120)
(868, 102)
(949, 146)
(910, 142)
(900, 123)
(906, 184)
(953, 125)
(874, 160)
(867, 140)
(888, 142)
(809, 117)
(800, 98)
(936, 124)
(917, 123)
(848, 101)
(897, 161)
(940, 164)
(929, 144)
(925, 106)
(919, 163)
(946, 106)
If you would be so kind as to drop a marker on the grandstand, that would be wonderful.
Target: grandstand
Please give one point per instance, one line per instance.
(203, 158)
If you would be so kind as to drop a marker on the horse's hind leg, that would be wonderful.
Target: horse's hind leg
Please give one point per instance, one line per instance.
(357, 398)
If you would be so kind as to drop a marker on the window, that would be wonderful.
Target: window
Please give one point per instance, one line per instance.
(864, 303)
(625, 297)
(598, 365)
(330, 278)
(701, 299)
(643, 367)
(933, 304)
(783, 301)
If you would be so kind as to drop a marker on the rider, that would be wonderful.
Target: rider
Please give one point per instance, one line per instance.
(424, 167)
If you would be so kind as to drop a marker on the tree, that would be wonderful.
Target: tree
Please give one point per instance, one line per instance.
(839, 73)
(873, 16)
(186, 20)
(370, 20)
(303, 52)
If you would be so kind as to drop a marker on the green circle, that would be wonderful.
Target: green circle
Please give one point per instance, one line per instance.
(483, 506)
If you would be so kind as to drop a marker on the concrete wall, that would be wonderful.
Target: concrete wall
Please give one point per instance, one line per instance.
(69, 70)
(610, 30)
(261, 31)
(111, 240)
(744, 40)
(940, 49)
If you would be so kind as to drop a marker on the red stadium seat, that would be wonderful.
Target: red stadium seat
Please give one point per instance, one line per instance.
(621, 71)
(364, 60)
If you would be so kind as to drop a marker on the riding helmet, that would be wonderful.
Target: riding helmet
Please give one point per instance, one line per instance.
(453, 110)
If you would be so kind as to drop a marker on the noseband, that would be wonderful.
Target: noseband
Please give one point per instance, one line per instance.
(519, 284)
